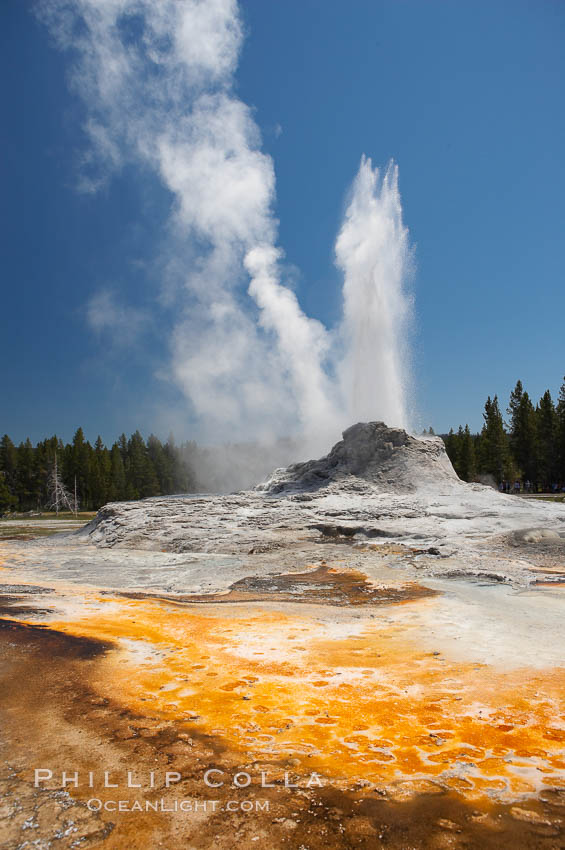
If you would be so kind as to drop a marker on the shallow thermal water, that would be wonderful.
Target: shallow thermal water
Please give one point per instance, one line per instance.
(461, 690)
(496, 624)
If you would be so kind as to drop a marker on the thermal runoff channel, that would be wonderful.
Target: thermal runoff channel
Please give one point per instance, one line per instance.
(157, 83)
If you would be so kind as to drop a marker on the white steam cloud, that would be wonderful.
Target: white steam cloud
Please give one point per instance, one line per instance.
(157, 82)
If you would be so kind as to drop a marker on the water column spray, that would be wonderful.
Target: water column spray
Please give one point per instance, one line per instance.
(373, 252)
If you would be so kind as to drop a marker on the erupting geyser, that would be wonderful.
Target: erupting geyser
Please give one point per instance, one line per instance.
(250, 362)
(373, 251)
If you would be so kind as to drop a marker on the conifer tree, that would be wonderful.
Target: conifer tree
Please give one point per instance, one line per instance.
(7, 499)
(466, 459)
(8, 462)
(28, 485)
(546, 428)
(524, 438)
(161, 464)
(141, 475)
(514, 404)
(560, 434)
(100, 473)
(451, 446)
(81, 467)
(118, 488)
(494, 445)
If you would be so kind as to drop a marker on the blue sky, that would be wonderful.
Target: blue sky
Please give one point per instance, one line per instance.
(467, 97)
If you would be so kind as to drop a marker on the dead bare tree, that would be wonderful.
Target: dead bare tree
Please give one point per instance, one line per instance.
(58, 495)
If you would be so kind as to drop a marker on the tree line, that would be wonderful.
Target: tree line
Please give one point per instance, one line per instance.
(528, 446)
(130, 469)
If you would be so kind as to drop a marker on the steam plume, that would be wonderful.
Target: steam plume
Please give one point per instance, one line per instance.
(157, 82)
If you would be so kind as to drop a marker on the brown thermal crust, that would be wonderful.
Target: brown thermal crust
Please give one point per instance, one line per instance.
(323, 584)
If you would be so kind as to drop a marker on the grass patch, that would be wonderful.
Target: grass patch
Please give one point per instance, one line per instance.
(24, 532)
(42, 525)
(82, 516)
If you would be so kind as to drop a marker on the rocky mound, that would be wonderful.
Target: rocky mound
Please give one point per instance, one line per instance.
(387, 458)
(377, 486)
